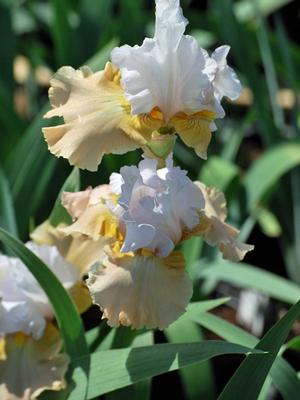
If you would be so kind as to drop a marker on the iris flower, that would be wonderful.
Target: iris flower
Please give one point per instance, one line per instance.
(145, 212)
(167, 85)
(30, 345)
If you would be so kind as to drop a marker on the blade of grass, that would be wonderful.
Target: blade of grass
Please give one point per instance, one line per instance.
(59, 214)
(95, 16)
(8, 47)
(283, 44)
(268, 169)
(244, 8)
(244, 50)
(114, 369)
(270, 73)
(244, 275)
(62, 33)
(283, 375)
(7, 212)
(185, 330)
(98, 60)
(140, 390)
(258, 367)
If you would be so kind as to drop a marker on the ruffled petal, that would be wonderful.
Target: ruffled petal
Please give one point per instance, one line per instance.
(226, 83)
(32, 366)
(79, 250)
(217, 231)
(76, 202)
(155, 206)
(96, 221)
(167, 71)
(141, 291)
(93, 113)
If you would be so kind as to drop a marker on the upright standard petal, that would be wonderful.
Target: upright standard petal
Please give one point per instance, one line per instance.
(157, 206)
(172, 75)
(97, 120)
(141, 291)
(217, 231)
(168, 71)
(28, 367)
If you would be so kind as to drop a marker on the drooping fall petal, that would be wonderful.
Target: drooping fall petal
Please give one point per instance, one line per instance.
(141, 291)
(28, 367)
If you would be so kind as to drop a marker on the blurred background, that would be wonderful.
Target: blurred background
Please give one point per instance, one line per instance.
(254, 156)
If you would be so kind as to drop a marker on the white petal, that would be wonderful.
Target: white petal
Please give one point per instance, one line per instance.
(137, 236)
(64, 271)
(226, 82)
(21, 316)
(157, 206)
(25, 305)
(166, 72)
(116, 181)
(140, 291)
(129, 177)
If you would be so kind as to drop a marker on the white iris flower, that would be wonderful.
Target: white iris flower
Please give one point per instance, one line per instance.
(156, 205)
(24, 306)
(167, 85)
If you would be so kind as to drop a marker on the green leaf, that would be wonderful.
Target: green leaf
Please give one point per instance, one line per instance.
(65, 311)
(268, 222)
(206, 305)
(95, 16)
(29, 168)
(283, 375)
(113, 369)
(285, 378)
(62, 33)
(268, 169)
(244, 8)
(59, 214)
(98, 61)
(8, 47)
(244, 50)
(258, 367)
(192, 251)
(96, 336)
(269, 67)
(7, 212)
(219, 173)
(182, 331)
(140, 390)
(244, 275)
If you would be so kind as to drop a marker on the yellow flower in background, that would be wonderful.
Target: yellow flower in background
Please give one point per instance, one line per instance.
(168, 84)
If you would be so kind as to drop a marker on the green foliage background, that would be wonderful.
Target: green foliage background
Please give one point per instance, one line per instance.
(254, 158)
